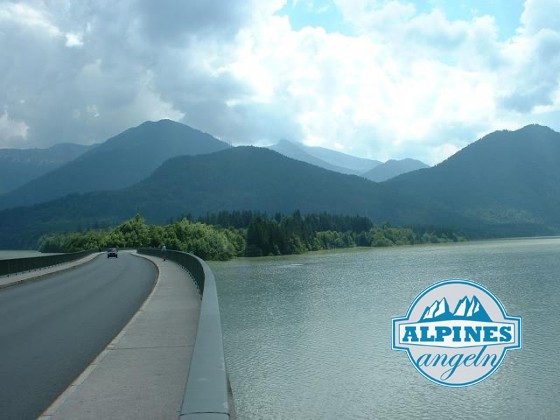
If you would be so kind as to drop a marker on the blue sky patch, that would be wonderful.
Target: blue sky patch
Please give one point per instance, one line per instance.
(321, 13)
(325, 13)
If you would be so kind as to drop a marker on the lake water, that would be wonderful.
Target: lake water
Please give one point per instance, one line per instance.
(8, 255)
(309, 336)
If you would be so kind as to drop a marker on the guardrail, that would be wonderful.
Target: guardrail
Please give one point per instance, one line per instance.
(18, 265)
(206, 392)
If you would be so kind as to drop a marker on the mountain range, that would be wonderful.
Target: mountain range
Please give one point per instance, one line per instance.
(505, 184)
(233, 179)
(373, 170)
(117, 163)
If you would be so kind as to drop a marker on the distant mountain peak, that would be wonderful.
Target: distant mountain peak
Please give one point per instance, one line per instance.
(393, 168)
(121, 161)
(525, 133)
(288, 143)
(536, 126)
(299, 152)
(325, 158)
(536, 129)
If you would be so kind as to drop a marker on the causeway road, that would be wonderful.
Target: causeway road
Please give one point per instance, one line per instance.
(51, 330)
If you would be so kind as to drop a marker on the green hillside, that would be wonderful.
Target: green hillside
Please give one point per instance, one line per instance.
(508, 182)
(260, 179)
(233, 179)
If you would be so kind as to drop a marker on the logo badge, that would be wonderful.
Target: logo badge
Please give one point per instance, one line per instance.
(456, 333)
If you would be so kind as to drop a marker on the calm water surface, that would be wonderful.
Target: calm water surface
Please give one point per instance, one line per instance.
(309, 337)
(8, 255)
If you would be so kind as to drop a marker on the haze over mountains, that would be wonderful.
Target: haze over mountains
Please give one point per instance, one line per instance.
(393, 168)
(507, 183)
(373, 170)
(18, 166)
(359, 165)
(295, 151)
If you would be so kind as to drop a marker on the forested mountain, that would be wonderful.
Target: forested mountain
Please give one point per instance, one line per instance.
(117, 163)
(393, 168)
(508, 182)
(260, 179)
(234, 179)
(19, 166)
(505, 184)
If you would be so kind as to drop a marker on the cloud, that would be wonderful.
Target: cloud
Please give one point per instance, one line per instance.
(532, 80)
(401, 83)
(14, 132)
(74, 40)
(74, 74)
(25, 18)
(540, 15)
(171, 23)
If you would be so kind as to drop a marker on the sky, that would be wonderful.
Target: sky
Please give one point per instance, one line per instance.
(372, 78)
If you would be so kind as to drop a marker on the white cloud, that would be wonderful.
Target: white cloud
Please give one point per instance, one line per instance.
(74, 40)
(354, 91)
(27, 18)
(13, 131)
(403, 84)
(540, 15)
(533, 79)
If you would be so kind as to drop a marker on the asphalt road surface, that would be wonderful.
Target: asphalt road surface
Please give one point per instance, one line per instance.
(52, 329)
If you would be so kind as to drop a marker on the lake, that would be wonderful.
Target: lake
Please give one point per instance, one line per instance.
(309, 336)
(8, 255)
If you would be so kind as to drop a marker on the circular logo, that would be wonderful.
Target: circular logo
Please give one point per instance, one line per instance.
(456, 333)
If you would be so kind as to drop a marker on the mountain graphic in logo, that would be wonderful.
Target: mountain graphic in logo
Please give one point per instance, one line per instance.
(466, 309)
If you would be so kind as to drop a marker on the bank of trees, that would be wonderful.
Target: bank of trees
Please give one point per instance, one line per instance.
(228, 234)
(295, 234)
(208, 242)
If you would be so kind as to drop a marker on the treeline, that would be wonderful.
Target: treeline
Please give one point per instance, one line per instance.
(295, 234)
(225, 235)
(208, 242)
(318, 222)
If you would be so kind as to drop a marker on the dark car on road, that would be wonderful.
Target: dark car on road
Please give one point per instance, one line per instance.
(112, 252)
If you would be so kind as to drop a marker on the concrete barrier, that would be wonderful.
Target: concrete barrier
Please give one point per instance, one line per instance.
(18, 265)
(206, 392)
